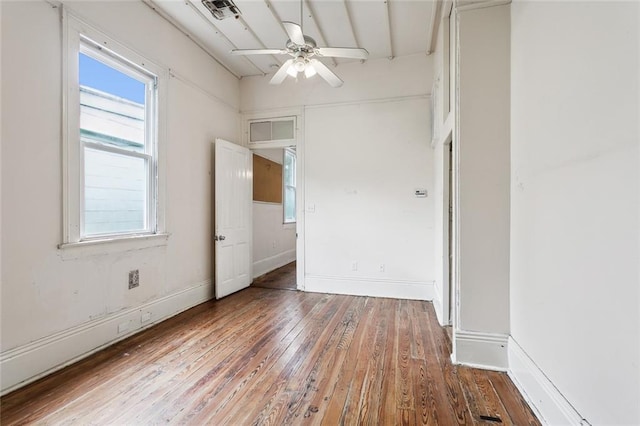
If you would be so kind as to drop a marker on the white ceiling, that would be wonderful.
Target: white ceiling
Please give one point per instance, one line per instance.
(386, 28)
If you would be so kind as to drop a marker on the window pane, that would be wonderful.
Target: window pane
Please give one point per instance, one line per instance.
(289, 169)
(112, 105)
(289, 186)
(260, 131)
(289, 204)
(282, 130)
(115, 193)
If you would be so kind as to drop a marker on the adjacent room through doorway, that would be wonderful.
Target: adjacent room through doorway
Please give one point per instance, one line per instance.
(274, 218)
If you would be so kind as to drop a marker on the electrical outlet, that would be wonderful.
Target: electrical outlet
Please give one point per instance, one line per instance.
(354, 266)
(134, 279)
(382, 267)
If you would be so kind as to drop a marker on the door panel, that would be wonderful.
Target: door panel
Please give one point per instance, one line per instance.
(233, 232)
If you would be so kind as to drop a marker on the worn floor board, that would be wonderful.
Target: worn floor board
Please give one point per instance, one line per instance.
(267, 356)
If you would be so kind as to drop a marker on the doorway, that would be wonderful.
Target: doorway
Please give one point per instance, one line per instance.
(274, 218)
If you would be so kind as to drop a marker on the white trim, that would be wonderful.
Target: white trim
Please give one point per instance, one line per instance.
(300, 200)
(100, 246)
(370, 101)
(27, 363)
(481, 350)
(273, 111)
(482, 5)
(395, 289)
(272, 263)
(437, 306)
(546, 401)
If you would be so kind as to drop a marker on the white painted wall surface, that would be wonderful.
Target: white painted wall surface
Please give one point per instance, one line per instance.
(57, 305)
(374, 79)
(575, 201)
(362, 165)
(274, 243)
(482, 154)
(365, 150)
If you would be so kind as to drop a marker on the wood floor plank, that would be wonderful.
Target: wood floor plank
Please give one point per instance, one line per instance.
(265, 356)
(301, 383)
(518, 410)
(155, 368)
(337, 401)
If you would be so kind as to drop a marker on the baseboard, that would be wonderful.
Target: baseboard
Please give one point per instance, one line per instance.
(269, 264)
(437, 306)
(396, 289)
(24, 364)
(543, 397)
(480, 350)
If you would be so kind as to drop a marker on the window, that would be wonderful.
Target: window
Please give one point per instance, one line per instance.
(277, 129)
(111, 145)
(289, 177)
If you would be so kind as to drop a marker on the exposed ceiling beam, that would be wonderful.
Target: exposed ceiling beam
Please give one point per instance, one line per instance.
(220, 33)
(179, 27)
(388, 21)
(353, 30)
(323, 40)
(434, 25)
(258, 39)
(275, 16)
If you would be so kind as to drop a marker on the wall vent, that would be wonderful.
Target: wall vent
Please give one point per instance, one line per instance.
(222, 9)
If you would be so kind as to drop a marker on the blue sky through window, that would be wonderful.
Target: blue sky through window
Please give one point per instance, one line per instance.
(102, 77)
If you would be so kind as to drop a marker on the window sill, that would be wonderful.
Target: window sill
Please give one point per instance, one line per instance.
(111, 245)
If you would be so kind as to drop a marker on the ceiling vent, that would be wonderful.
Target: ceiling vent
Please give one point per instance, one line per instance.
(222, 9)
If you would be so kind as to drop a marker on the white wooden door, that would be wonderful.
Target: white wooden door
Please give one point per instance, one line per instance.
(233, 217)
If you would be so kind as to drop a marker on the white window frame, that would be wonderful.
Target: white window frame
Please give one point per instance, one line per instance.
(284, 185)
(80, 37)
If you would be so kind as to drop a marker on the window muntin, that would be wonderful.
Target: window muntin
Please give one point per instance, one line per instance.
(117, 143)
(289, 185)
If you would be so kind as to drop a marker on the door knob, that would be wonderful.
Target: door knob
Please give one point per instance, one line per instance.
(222, 237)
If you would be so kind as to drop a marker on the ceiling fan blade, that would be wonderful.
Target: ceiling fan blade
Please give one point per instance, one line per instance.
(326, 73)
(343, 52)
(281, 74)
(294, 32)
(258, 51)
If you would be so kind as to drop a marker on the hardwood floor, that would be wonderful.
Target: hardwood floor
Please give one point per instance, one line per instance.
(264, 356)
(282, 278)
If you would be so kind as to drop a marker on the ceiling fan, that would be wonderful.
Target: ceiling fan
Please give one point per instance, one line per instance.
(302, 50)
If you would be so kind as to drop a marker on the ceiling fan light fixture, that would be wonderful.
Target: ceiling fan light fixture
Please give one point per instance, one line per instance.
(303, 51)
(300, 64)
(292, 71)
(309, 71)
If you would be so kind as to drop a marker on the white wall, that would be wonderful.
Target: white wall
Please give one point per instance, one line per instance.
(274, 243)
(365, 150)
(58, 305)
(374, 79)
(362, 165)
(575, 202)
(481, 153)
